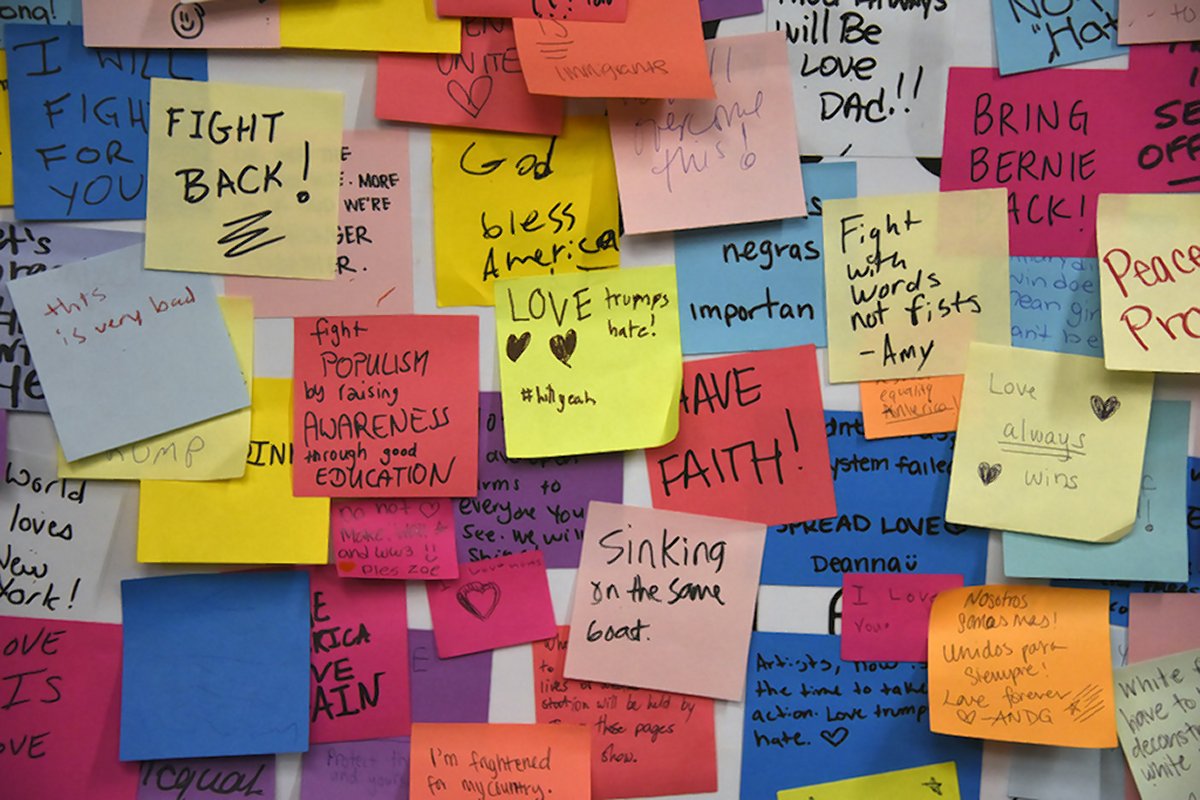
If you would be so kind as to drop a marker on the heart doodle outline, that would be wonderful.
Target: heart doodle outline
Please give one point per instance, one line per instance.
(989, 472)
(836, 736)
(1103, 409)
(478, 587)
(465, 96)
(563, 346)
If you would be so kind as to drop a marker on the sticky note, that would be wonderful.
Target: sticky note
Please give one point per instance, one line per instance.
(511, 205)
(723, 9)
(589, 363)
(760, 285)
(243, 179)
(355, 770)
(1030, 37)
(534, 504)
(807, 724)
(600, 11)
(639, 737)
(658, 51)
(751, 441)
(208, 450)
(46, 12)
(228, 654)
(149, 23)
(397, 538)
(253, 519)
(891, 501)
(1055, 304)
(910, 406)
(372, 25)
(915, 783)
(447, 689)
(557, 756)
(495, 603)
(1157, 723)
(1022, 664)
(481, 87)
(1142, 21)
(658, 612)
(1049, 444)
(62, 710)
(1148, 253)
(124, 353)
(1156, 549)
(1162, 624)
(90, 166)
(359, 682)
(374, 250)
(910, 280)
(731, 159)
(249, 776)
(886, 617)
(386, 406)
(6, 166)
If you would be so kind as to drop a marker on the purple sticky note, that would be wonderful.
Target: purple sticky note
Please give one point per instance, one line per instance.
(531, 504)
(372, 770)
(447, 689)
(248, 776)
(723, 9)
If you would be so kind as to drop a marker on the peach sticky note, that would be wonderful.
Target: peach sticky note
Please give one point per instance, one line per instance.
(910, 406)
(885, 616)
(153, 23)
(1022, 664)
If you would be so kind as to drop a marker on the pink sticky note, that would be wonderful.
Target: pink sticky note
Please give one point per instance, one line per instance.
(1162, 625)
(885, 617)
(403, 539)
(495, 603)
(608, 11)
(374, 274)
(483, 87)
(153, 23)
(1142, 21)
(359, 675)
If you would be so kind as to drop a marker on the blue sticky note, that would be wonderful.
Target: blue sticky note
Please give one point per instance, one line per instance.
(1056, 305)
(80, 122)
(812, 717)
(891, 497)
(46, 12)
(759, 286)
(1035, 34)
(1157, 547)
(215, 665)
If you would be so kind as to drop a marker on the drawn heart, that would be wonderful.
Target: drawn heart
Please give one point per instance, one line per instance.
(563, 346)
(966, 716)
(1103, 409)
(479, 599)
(988, 472)
(346, 566)
(836, 736)
(516, 345)
(474, 99)
(428, 508)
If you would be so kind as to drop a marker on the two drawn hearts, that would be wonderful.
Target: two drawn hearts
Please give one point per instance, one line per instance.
(1102, 408)
(471, 99)
(562, 346)
(479, 599)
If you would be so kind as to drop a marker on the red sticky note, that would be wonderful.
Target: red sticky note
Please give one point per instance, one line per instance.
(885, 617)
(359, 675)
(495, 603)
(483, 87)
(751, 441)
(584, 10)
(386, 406)
(399, 539)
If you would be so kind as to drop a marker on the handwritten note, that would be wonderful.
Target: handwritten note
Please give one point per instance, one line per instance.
(394, 538)
(367, 770)
(1156, 705)
(751, 441)
(910, 406)
(910, 280)
(886, 617)
(149, 23)
(1056, 304)
(508, 205)
(447, 689)
(386, 406)
(1033, 34)
(243, 179)
(699, 163)
(1049, 444)
(207, 778)
(372, 25)
(68, 165)
(584, 10)
(915, 783)
(1142, 21)
(653, 590)
(589, 363)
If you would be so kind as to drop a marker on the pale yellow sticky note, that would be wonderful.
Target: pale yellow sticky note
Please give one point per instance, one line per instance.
(209, 450)
(1049, 443)
(253, 519)
(6, 183)
(411, 26)
(508, 205)
(243, 179)
(910, 280)
(589, 362)
(917, 783)
(1149, 249)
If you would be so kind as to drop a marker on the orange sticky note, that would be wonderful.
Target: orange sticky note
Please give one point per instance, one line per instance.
(460, 761)
(910, 406)
(1022, 664)
(658, 51)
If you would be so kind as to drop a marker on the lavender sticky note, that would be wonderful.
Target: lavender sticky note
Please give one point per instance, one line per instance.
(372, 770)
(447, 689)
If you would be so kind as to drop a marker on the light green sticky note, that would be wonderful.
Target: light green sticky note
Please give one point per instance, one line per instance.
(1158, 724)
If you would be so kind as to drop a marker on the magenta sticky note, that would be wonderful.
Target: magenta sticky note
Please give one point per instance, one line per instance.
(495, 603)
(885, 617)
(402, 539)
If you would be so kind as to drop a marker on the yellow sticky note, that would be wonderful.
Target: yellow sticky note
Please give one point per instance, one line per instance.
(917, 783)
(209, 450)
(253, 519)
(1049, 443)
(1022, 664)
(1149, 248)
(910, 280)
(6, 184)
(508, 205)
(590, 362)
(411, 26)
(243, 179)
